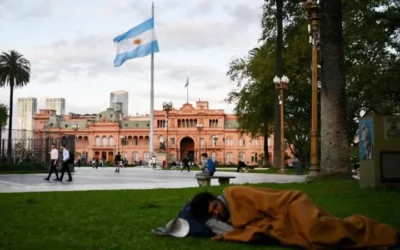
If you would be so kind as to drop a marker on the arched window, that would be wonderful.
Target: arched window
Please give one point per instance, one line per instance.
(135, 156)
(229, 157)
(242, 157)
(104, 141)
(213, 156)
(98, 141)
(111, 141)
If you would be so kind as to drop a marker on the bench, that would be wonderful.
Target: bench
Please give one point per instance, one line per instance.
(205, 181)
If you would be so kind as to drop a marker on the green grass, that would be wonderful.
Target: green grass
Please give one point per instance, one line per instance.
(124, 219)
(24, 172)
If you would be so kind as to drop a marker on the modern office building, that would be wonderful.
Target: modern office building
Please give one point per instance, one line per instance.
(57, 104)
(119, 101)
(26, 109)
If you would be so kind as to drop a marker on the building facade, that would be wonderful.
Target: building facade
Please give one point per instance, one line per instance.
(192, 130)
(119, 100)
(57, 104)
(26, 109)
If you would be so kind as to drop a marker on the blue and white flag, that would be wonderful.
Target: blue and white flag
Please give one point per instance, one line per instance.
(139, 41)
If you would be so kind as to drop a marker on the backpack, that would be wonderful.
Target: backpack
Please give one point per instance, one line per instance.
(211, 166)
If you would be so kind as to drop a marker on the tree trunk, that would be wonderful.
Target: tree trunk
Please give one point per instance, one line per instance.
(9, 142)
(266, 154)
(279, 72)
(335, 151)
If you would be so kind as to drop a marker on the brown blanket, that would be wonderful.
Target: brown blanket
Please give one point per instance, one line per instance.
(291, 218)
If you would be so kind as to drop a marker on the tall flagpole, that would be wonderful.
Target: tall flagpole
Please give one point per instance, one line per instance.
(151, 144)
(187, 90)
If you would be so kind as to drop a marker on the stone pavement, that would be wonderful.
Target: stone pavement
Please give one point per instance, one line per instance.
(86, 178)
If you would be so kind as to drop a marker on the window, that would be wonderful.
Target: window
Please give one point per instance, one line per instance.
(229, 157)
(104, 141)
(254, 142)
(172, 141)
(146, 156)
(201, 141)
(269, 141)
(229, 142)
(242, 157)
(111, 141)
(135, 140)
(213, 156)
(135, 156)
(254, 157)
(242, 142)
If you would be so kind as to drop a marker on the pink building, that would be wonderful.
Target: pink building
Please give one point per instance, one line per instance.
(103, 135)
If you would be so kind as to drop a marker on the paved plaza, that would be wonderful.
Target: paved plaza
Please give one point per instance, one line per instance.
(86, 178)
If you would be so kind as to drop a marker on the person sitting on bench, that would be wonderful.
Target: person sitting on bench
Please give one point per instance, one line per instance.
(207, 166)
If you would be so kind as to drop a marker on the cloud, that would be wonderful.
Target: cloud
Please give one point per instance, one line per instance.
(243, 13)
(23, 9)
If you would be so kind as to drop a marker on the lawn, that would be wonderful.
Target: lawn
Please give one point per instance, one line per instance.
(124, 219)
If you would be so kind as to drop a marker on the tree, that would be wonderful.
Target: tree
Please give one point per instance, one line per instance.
(370, 80)
(253, 107)
(14, 72)
(3, 121)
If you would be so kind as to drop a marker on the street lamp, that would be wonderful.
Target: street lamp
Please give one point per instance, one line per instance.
(75, 127)
(199, 127)
(123, 142)
(312, 6)
(281, 85)
(167, 107)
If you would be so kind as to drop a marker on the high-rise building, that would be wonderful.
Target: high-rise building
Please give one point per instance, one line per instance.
(57, 104)
(27, 108)
(119, 101)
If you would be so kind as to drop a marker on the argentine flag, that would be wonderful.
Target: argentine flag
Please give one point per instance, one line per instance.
(139, 41)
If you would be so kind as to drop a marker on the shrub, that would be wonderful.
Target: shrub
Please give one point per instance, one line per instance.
(24, 167)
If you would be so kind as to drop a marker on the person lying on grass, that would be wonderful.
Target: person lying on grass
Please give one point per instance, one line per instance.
(286, 217)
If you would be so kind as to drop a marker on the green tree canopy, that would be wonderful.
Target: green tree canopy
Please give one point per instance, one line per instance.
(372, 67)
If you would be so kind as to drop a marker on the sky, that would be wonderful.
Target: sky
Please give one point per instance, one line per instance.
(69, 44)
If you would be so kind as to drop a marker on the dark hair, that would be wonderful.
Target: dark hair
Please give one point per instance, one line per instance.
(118, 152)
(63, 145)
(204, 154)
(199, 206)
(53, 144)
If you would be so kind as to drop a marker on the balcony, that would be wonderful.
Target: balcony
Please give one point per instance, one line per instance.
(101, 146)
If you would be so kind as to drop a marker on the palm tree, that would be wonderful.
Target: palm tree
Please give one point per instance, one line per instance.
(15, 71)
(335, 150)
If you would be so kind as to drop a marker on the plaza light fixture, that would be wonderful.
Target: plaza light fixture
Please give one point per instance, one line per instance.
(313, 9)
(281, 84)
(167, 107)
(199, 127)
(75, 127)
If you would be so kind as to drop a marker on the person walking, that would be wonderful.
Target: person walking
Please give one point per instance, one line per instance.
(117, 162)
(66, 160)
(53, 162)
(185, 162)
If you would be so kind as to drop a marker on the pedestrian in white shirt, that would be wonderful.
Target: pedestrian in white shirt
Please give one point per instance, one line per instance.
(66, 161)
(53, 162)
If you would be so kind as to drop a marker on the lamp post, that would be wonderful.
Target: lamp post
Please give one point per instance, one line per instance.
(75, 127)
(281, 85)
(312, 6)
(199, 127)
(123, 141)
(167, 107)
(215, 139)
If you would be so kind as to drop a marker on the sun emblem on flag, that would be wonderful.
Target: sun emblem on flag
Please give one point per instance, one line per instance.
(137, 41)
